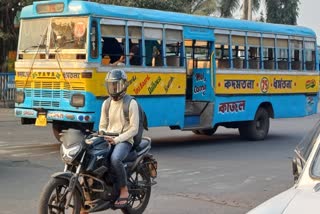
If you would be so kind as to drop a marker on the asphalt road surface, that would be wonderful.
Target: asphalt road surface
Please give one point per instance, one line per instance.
(221, 174)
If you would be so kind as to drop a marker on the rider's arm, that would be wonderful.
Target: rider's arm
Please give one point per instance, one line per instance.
(103, 119)
(133, 128)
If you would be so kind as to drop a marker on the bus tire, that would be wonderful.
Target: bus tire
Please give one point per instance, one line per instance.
(258, 128)
(196, 131)
(208, 132)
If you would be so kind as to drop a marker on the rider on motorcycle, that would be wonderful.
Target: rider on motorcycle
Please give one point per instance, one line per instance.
(116, 84)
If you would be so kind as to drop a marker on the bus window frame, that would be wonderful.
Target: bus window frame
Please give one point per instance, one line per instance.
(269, 38)
(97, 40)
(292, 50)
(313, 53)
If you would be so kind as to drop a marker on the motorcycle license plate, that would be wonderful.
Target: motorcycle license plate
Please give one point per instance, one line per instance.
(41, 120)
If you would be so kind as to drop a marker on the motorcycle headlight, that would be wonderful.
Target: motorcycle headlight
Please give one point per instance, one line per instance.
(69, 154)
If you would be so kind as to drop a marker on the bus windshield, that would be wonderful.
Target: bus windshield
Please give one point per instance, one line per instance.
(56, 33)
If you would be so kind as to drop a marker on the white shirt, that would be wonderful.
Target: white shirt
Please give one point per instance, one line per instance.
(117, 122)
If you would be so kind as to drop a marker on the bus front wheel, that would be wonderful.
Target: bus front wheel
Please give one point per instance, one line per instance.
(258, 128)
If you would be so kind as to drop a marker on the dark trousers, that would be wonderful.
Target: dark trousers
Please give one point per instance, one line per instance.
(120, 152)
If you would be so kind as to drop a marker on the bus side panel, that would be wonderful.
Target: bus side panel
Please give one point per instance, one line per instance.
(243, 108)
(160, 110)
(163, 110)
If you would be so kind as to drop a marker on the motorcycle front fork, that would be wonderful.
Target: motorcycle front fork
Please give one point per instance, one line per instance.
(73, 181)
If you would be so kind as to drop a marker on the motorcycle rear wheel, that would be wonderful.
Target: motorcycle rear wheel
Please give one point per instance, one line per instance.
(140, 192)
(51, 201)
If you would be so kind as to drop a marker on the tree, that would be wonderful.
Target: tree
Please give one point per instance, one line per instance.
(200, 7)
(8, 31)
(282, 11)
(228, 7)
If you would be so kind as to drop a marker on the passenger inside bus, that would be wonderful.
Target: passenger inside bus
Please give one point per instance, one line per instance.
(134, 55)
(111, 48)
(153, 49)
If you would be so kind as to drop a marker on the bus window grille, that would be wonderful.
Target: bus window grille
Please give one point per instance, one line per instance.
(66, 86)
(28, 93)
(41, 103)
(47, 85)
(20, 84)
(56, 85)
(47, 94)
(55, 104)
(56, 94)
(66, 94)
(78, 88)
(37, 84)
(37, 93)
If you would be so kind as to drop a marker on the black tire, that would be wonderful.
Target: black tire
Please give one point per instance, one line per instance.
(49, 197)
(208, 132)
(258, 128)
(140, 192)
(196, 132)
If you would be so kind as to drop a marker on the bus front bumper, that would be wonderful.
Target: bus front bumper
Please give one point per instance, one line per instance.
(82, 117)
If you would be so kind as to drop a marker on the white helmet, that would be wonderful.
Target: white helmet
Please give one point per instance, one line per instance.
(116, 83)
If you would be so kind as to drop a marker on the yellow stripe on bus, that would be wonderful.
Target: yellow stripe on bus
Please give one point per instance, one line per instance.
(273, 84)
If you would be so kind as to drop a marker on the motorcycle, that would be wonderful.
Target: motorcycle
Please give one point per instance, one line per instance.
(88, 183)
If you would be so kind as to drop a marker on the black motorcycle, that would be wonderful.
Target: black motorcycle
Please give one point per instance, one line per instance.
(88, 183)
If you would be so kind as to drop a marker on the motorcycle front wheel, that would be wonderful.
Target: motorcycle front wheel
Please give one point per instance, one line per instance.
(53, 198)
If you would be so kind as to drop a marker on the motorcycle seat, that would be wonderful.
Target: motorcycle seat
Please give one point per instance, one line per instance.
(145, 142)
(134, 153)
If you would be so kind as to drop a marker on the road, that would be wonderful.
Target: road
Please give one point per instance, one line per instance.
(197, 174)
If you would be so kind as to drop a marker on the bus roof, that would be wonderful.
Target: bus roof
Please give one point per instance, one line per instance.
(78, 8)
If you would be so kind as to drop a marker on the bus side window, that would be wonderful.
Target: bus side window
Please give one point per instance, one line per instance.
(112, 36)
(238, 52)
(173, 47)
(135, 51)
(310, 55)
(254, 52)
(268, 53)
(282, 54)
(153, 53)
(111, 49)
(152, 43)
(222, 51)
(296, 54)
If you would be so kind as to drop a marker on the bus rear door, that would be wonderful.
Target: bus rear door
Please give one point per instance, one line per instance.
(199, 46)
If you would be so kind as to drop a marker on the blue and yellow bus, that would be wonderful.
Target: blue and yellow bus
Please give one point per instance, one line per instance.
(188, 72)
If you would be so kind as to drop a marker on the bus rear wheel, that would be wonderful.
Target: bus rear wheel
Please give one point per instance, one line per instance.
(258, 128)
(208, 132)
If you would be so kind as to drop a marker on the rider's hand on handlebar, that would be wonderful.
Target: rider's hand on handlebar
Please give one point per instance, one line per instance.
(110, 140)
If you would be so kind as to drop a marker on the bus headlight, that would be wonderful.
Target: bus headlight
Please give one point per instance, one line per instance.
(77, 100)
(19, 96)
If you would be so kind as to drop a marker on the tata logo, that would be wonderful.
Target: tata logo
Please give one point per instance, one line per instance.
(46, 74)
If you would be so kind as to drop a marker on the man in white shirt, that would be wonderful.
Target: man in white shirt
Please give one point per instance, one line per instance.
(116, 84)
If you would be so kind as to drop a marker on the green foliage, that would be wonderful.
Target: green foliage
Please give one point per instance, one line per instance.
(201, 7)
(282, 11)
(227, 7)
